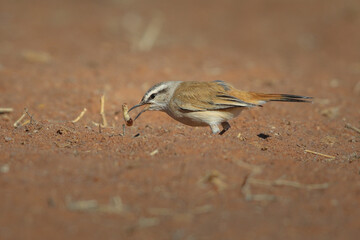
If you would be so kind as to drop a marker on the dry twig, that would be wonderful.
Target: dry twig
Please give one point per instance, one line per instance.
(246, 189)
(115, 206)
(215, 178)
(80, 116)
(82, 205)
(26, 122)
(6, 110)
(349, 126)
(30, 116)
(102, 111)
(156, 151)
(320, 154)
(17, 122)
(282, 182)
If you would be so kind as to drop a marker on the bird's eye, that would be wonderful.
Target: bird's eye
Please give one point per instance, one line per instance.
(152, 96)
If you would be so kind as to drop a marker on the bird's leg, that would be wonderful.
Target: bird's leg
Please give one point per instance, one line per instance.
(226, 126)
(214, 128)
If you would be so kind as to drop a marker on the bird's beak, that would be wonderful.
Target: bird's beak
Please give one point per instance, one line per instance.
(137, 105)
(142, 111)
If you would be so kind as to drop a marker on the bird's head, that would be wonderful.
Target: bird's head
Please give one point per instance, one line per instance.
(157, 97)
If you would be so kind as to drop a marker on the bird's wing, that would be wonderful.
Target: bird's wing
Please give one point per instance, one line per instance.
(204, 96)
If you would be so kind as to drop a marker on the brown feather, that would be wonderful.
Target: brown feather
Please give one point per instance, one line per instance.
(279, 97)
(203, 96)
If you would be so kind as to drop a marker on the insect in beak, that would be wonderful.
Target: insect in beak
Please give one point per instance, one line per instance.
(142, 111)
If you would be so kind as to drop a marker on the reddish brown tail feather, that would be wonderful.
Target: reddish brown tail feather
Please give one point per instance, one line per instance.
(282, 97)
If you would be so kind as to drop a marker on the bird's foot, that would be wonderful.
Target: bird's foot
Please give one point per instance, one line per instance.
(226, 126)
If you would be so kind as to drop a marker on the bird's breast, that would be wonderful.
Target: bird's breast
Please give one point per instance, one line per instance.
(203, 118)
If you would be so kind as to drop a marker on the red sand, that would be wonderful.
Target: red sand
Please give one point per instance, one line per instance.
(60, 180)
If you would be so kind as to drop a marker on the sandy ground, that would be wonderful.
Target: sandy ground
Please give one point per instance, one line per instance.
(164, 180)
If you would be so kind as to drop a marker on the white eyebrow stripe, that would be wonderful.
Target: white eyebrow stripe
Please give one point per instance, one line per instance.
(155, 89)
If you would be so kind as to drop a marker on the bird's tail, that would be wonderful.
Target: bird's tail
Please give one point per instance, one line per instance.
(263, 98)
(283, 97)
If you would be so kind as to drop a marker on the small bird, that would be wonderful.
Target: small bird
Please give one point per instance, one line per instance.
(206, 103)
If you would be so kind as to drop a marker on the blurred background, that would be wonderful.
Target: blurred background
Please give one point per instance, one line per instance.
(73, 48)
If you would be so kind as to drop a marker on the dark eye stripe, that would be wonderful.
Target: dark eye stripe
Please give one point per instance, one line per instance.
(148, 97)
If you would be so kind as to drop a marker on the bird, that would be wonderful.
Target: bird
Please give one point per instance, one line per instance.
(197, 103)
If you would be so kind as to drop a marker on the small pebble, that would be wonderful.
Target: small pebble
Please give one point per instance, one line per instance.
(8, 139)
(240, 137)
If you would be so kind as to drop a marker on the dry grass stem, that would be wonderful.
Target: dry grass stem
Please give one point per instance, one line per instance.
(151, 34)
(96, 124)
(320, 154)
(215, 178)
(6, 110)
(17, 122)
(156, 151)
(82, 205)
(102, 111)
(102, 126)
(80, 116)
(349, 126)
(30, 116)
(26, 122)
(115, 206)
(282, 182)
(246, 188)
(169, 212)
(102, 114)
(254, 169)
